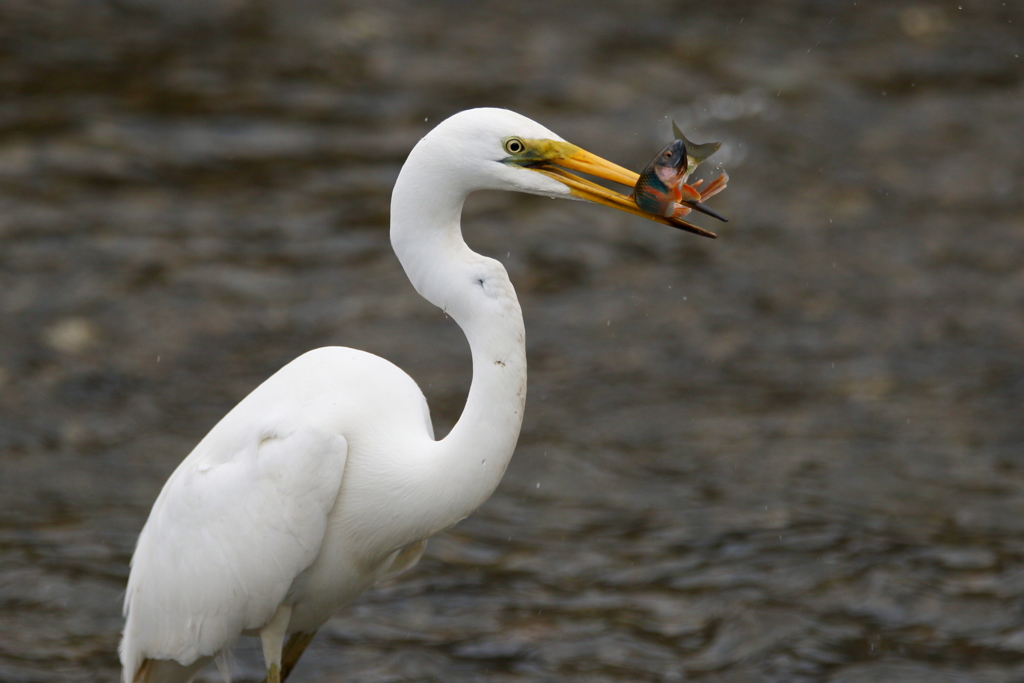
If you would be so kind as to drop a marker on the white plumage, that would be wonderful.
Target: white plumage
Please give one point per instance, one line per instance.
(327, 476)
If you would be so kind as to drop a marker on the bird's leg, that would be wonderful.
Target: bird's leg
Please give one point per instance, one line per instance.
(293, 649)
(272, 637)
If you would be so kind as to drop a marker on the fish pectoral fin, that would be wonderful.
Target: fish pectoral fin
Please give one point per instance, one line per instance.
(714, 187)
(680, 210)
(689, 193)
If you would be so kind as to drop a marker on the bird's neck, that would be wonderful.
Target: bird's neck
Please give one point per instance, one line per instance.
(464, 468)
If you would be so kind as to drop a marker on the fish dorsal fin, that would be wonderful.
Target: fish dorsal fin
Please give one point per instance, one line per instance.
(696, 152)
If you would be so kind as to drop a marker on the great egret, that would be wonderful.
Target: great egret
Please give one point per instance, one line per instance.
(327, 477)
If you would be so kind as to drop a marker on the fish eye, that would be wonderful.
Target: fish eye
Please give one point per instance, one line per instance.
(514, 146)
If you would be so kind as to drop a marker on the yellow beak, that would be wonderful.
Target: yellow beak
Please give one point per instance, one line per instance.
(553, 158)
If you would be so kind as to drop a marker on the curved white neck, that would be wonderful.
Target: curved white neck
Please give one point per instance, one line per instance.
(463, 469)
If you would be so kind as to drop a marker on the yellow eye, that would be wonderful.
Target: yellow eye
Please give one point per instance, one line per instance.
(514, 146)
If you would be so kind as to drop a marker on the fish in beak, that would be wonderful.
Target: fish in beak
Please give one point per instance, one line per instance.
(556, 159)
(662, 188)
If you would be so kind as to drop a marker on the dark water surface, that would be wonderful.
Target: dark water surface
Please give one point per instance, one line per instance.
(793, 454)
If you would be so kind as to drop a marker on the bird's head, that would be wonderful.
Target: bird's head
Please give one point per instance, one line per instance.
(498, 149)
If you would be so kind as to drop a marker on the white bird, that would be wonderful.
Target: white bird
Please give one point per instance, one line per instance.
(327, 477)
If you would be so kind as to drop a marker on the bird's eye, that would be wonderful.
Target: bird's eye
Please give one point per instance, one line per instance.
(514, 146)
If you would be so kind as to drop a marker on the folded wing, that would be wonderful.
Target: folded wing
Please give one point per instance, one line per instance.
(234, 526)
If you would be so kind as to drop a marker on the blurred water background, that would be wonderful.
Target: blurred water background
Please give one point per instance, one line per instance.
(792, 454)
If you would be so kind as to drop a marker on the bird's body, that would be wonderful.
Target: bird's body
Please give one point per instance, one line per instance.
(327, 477)
(291, 484)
